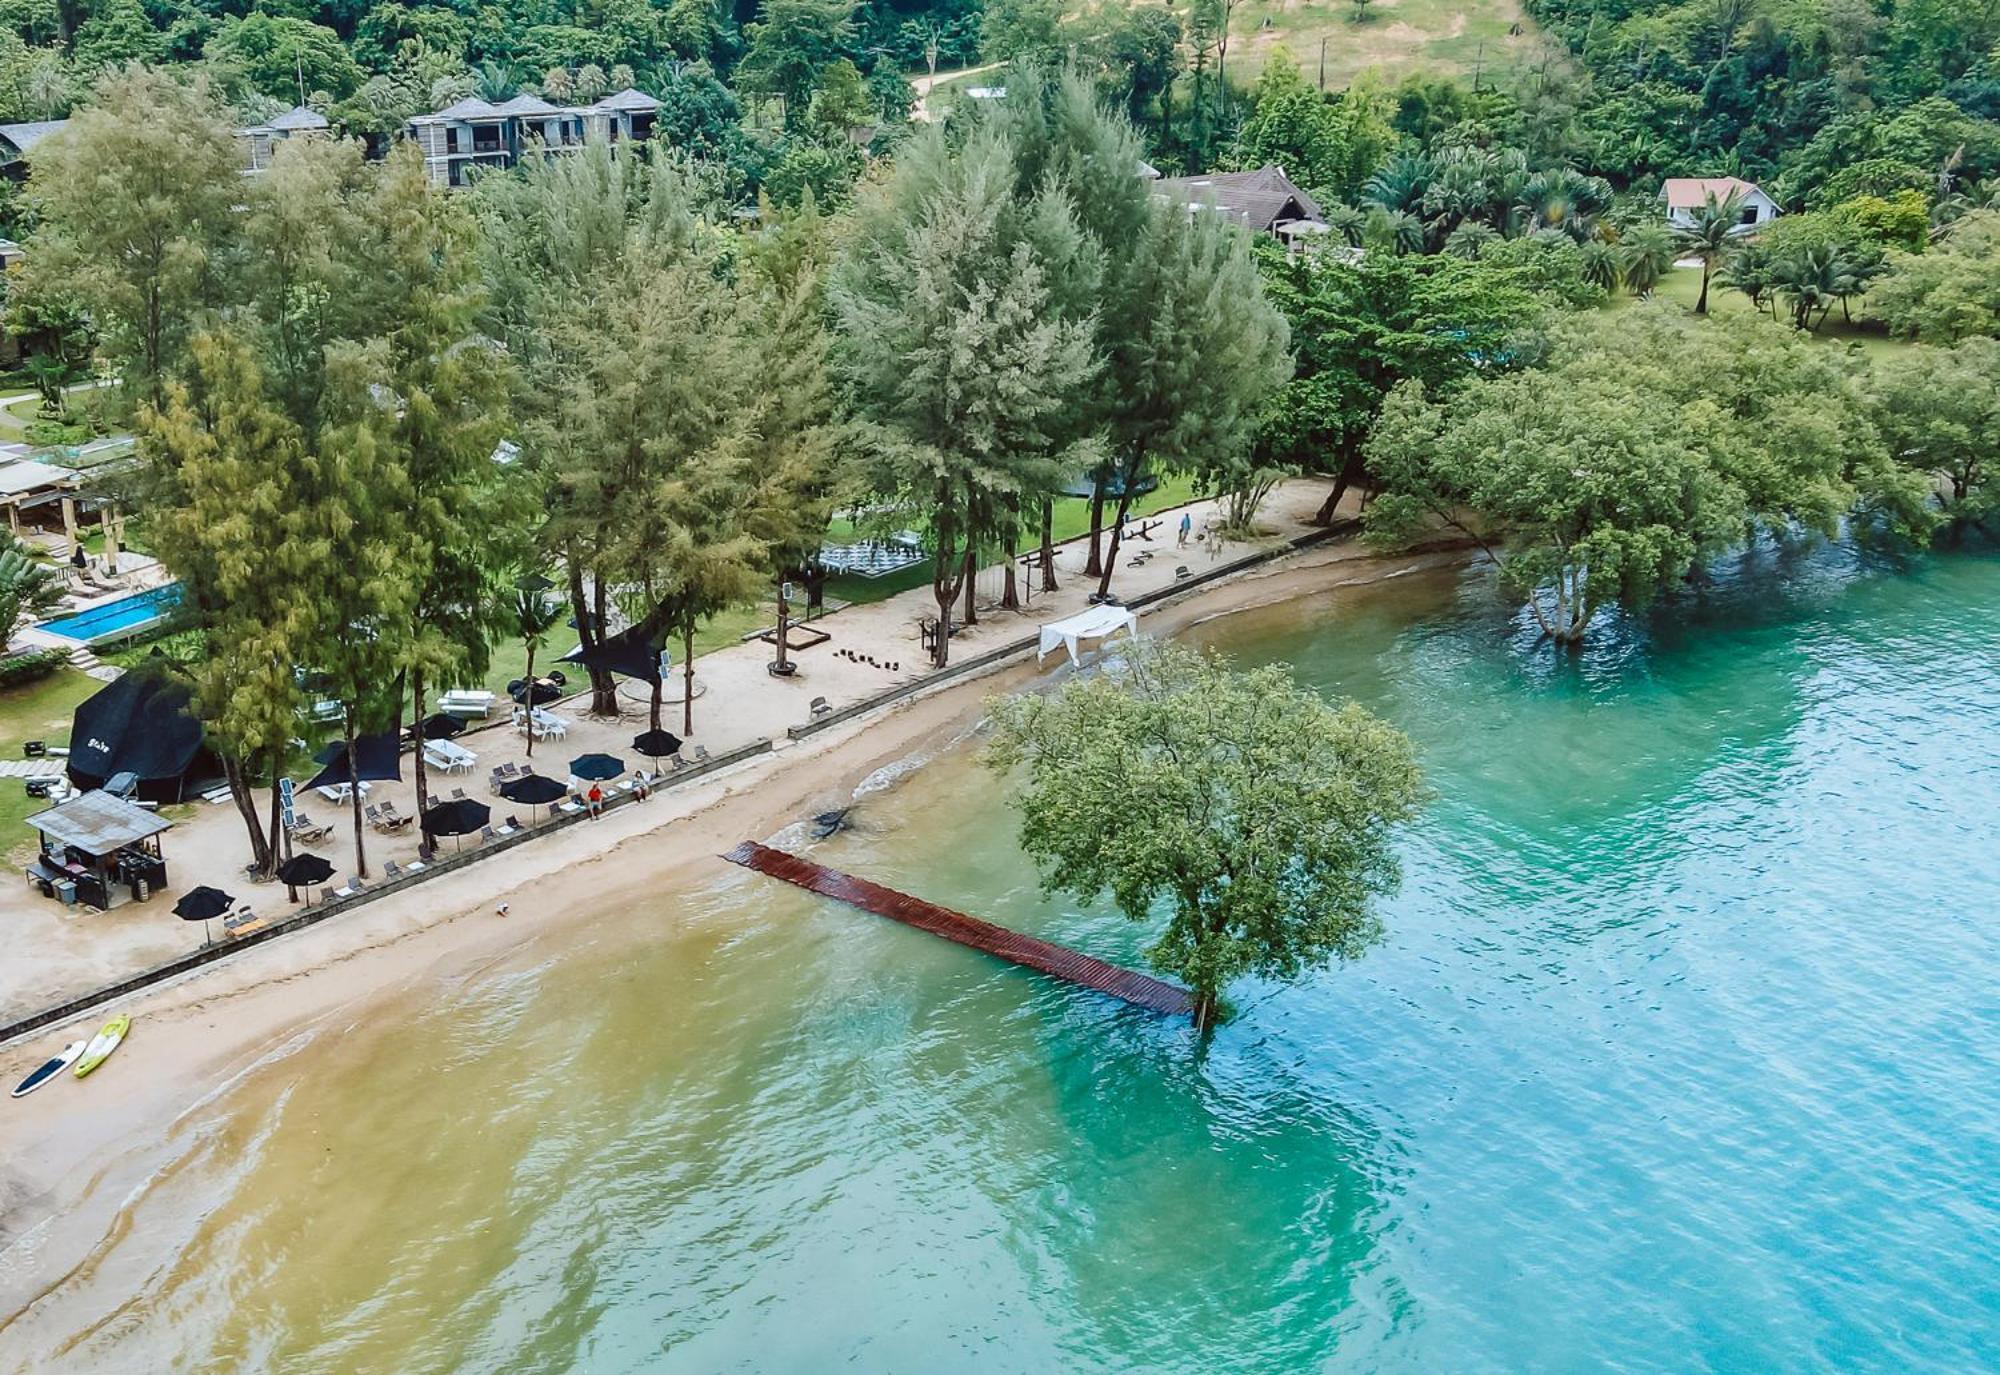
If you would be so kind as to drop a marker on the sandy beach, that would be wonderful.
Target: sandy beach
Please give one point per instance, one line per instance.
(73, 1159)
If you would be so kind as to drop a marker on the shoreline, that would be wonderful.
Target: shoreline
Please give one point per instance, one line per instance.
(73, 1162)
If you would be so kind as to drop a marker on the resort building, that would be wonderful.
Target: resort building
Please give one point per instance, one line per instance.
(258, 142)
(17, 141)
(1685, 195)
(476, 133)
(1265, 201)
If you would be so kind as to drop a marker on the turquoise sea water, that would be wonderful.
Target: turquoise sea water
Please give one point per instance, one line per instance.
(1680, 1055)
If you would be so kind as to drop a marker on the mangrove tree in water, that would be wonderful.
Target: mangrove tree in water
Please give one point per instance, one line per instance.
(1255, 814)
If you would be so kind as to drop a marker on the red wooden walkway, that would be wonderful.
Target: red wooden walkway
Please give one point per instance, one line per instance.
(1142, 990)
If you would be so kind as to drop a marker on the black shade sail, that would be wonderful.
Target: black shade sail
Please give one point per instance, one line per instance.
(142, 724)
(378, 757)
(626, 653)
(440, 726)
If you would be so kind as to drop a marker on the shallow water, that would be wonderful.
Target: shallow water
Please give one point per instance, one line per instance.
(1679, 1055)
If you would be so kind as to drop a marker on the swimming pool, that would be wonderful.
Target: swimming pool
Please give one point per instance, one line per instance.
(116, 620)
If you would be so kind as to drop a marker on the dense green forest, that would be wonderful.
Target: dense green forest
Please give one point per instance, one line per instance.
(1821, 99)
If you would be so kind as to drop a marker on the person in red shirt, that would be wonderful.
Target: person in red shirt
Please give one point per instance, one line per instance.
(595, 797)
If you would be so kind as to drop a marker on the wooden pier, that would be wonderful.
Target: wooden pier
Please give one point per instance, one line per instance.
(1141, 990)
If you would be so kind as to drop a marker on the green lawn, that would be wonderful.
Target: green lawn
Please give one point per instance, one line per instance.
(1683, 287)
(1072, 518)
(1398, 37)
(34, 711)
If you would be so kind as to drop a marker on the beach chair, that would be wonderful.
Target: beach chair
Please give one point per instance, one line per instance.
(350, 888)
(514, 824)
(818, 708)
(1182, 572)
(374, 815)
(701, 754)
(391, 872)
(487, 835)
(570, 805)
(458, 795)
(326, 896)
(393, 820)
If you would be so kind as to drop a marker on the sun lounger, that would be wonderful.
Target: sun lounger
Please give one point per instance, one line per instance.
(241, 923)
(701, 754)
(350, 888)
(818, 708)
(487, 835)
(391, 872)
(513, 824)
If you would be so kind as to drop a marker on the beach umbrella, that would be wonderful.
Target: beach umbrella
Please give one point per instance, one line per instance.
(596, 767)
(533, 789)
(441, 726)
(657, 744)
(302, 871)
(203, 904)
(457, 817)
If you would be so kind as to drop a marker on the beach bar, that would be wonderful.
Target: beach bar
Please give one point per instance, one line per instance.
(100, 851)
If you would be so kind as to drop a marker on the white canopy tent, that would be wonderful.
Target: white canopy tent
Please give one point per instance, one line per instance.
(1095, 623)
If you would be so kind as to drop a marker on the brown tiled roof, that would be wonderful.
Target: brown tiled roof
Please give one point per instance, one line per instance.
(1258, 199)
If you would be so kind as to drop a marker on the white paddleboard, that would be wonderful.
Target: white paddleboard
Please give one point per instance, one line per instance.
(49, 1070)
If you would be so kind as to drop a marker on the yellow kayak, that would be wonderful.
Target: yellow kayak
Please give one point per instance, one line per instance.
(102, 1044)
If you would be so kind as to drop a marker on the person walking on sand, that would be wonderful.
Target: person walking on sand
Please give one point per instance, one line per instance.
(1187, 527)
(595, 798)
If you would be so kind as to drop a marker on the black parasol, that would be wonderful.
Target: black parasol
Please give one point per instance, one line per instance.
(534, 789)
(460, 816)
(657, 744)
(203, 904)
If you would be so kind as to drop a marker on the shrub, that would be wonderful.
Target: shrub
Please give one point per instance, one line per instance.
(16, 669)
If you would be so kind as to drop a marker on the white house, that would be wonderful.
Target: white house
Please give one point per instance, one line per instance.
(1685, 195)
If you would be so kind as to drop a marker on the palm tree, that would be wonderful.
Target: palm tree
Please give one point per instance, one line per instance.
(1602, 266)
(27, 585)
(1648, 253)
(558, 84)
(1707, 236)
(1564, 201)
(1399, 183)
(1396, 231)
(1348, 222)
(1469, 239)
(496, 82)
(1817, 276)
(535, 615)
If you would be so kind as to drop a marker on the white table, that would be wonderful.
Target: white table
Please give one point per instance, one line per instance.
(340, 792)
